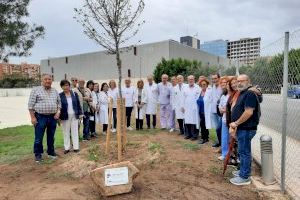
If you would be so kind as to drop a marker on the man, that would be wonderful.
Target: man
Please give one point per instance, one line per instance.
(244, 120)
(179, 102)
(191, 114)
(74, 82)
(86, 99)
(164, 95)
(151, 108)
(128, 94)
(216, 119)
(172, 101)
(44, 107)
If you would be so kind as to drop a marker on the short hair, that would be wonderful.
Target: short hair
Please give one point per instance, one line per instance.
(64, 82)
(112, 81)
(218, 75)
(45, 74)
(140, 82)
(102, 86)
(89, 83)
(150, 76)
(205, 80)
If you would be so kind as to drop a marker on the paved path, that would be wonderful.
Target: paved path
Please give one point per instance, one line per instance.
(292, 158)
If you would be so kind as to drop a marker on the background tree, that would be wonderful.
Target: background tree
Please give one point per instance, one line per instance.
(182, 66)
(110, 23)
(17, 37)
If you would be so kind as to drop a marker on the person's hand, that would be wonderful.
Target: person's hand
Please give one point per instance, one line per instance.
(232, 132)
(33, 121)
(233, 125)
(56, 116)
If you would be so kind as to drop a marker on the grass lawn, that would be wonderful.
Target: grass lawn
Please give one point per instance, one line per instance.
(17, 143)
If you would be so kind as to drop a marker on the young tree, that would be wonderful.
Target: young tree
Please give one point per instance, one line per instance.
(110, 23)
(16, 36)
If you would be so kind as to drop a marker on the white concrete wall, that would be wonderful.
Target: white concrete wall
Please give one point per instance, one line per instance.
(15, 92)
(100, 66)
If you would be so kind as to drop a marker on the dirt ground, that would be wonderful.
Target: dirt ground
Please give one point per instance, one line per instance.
(170, 168)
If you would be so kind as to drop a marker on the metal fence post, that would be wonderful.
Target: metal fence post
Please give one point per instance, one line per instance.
(284, 109)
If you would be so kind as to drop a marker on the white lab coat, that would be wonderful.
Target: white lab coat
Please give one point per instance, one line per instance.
(128, 94)
(152, 97)
(172, 97)
(96, 105)
(191, 111)
(103, 112)
(208, 98)
(178, 100)
(140, 113)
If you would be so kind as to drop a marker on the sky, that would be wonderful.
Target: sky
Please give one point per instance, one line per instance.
(166, 19)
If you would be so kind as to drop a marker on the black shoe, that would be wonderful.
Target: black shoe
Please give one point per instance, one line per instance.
(216, 145)
(180, 133)
(203, 141)
(194, 138)
(76, 150)
(148, 127)
(187, 137)
(66, 151)
(38, 158)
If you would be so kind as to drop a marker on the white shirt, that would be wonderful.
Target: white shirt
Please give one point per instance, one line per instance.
(191, 113)
(164, 93)
(70, 106)
(114, 94)
(216, 95)
(128, 94)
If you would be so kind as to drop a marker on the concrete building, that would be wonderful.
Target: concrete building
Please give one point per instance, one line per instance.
(245, 50)
(216, 47)
(190, 41)
(101, 66)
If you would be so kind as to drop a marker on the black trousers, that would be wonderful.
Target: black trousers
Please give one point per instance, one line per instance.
(181, 127)
(114, 110)
(191, 130)
(105, 127)
(92, 124)
(139, 124)
(128, 115)
(204, 130)
(153, 120)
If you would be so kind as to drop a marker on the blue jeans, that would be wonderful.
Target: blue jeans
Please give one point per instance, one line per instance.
(244, 138)
(217, 123)
(225, 139)
(86, 123)
(44, 122)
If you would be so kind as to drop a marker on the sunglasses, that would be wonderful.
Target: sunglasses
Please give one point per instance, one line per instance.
(74, 80)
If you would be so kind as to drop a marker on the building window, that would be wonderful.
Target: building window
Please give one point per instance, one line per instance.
(67, 60)
(52, 70)
(48, 62)
(129, 73)
(65, 76)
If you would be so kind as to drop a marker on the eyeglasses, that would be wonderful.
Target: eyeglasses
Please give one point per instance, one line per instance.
(240, 81)
(74, 80)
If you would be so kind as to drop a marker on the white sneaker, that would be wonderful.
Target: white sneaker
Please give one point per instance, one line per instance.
(171, 130)
(113, 130)
(129, 128)
(221, 158)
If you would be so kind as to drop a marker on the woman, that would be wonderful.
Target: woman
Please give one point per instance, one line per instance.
(233, 95)
(140, 104)
(96, 104)
(70, 113)
(114, 94)
(204, 105)
(92, 125)
(103, 106)
(222, 109)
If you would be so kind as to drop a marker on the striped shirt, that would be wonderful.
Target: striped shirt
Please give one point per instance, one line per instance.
(44, 101)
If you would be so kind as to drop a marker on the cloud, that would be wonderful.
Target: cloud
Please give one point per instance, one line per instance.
(168, 19)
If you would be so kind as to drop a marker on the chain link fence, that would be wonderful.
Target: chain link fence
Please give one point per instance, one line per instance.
(280, 117)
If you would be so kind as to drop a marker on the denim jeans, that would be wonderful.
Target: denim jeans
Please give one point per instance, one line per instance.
(225, 139)
(86, 123)
(44, 122)
(217, 123)
(244, 138)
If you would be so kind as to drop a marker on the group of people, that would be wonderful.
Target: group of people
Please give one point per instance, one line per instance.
(228, 104)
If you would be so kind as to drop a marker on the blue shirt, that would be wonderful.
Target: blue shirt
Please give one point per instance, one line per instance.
(200, 103)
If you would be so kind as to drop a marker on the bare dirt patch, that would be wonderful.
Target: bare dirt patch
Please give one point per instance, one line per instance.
(170, 168)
